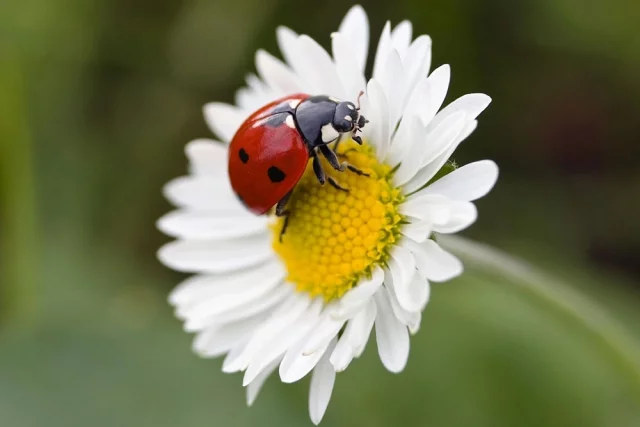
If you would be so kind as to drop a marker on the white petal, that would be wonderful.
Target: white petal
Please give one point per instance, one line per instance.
(434, 208)
(472, 104)
(314, 65)
(417, 230)
(195, 288)
(356, 298)
(412, 294)
(417, 61)
(450, 138)
(205, 256)
(434, 263)
(342, 355)
(468, 129)
(207, 157)
(254, 388)
(297, 362)
(277, 75)
(382, 51)
(468, 183)
(380, 121)
(322, 380)
(206, 226)
(280, 319)
(323, 332)
(417, 99)
(392, 80)
(438, 86)
(413, 158)
(355, 337)
(232, 356)
(287, 42)
(420, 289)
(402, 267)
(296, 365)
(406, 317)
(248, 100)
(416, 294)
(276, 347)
(371, 112)
(223, 119)
(415, 326)
(213, 295)
(260, 92)
(401, 37)
(425, 174)
(355, 28)
(362, 330)
(266, 304)
(256, 84)
(443, 137)
(415, 64)
(216, 341)
(392, 336)
(207, 193)
(463, 214)
(347, 67)
(402, 140)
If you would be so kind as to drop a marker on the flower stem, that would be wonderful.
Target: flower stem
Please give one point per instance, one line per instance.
(610, 336)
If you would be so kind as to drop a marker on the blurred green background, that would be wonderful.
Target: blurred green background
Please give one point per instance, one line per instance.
(99, 97)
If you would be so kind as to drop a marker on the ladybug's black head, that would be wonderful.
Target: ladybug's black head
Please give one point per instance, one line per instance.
(347, 118)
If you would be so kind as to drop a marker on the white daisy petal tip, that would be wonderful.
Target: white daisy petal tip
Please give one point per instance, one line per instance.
(467, 183)
(392, 336)
(223, 119)
(321, 388)
(436, 264)
(297, 366)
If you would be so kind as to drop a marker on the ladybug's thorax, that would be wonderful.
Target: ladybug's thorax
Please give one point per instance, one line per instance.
(314, 118)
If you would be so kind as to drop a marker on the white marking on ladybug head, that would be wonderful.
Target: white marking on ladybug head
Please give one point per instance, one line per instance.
(328, 133)
(289, 121)
(348, 118)
(351, 107)
(294, 103)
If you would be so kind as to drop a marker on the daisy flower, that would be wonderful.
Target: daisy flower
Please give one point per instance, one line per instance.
(351, 263)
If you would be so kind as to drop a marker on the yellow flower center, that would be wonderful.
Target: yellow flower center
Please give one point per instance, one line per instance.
(333, 237)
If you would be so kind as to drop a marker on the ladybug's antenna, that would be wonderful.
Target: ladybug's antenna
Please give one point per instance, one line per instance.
(358, 99)
(356, 126)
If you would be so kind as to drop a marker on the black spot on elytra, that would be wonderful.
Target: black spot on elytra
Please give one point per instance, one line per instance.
(275, 174)
(244, 157)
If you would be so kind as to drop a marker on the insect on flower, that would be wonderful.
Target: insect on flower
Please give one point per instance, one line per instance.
(270, 151)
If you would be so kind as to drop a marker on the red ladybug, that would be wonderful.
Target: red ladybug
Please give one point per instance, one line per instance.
(271, 149)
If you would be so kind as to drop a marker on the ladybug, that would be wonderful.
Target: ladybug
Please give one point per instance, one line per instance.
(271, 149)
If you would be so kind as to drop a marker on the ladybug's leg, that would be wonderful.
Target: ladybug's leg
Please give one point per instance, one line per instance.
(330, 155)
(281, 211)
(333, 161)
(317, 169)
(335, 184)
(335, 147)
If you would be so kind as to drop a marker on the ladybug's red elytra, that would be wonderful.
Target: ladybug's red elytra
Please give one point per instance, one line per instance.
(270, 151)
